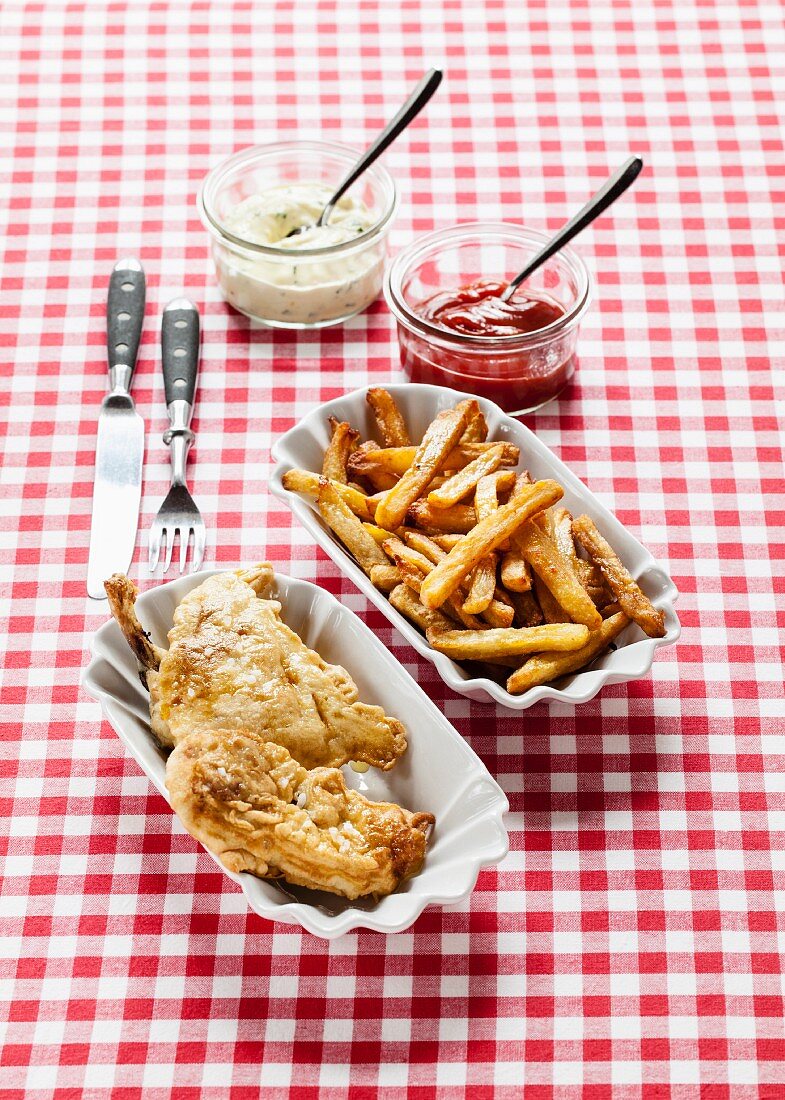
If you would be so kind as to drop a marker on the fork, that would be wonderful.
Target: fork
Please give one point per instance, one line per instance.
(178, 516)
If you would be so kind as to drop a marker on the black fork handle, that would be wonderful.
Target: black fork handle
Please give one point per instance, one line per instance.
(180, 350)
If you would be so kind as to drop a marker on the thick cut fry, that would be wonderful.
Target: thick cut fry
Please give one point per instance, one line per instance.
(541, 553)
(486, 536)
(487, 645)
(545, 667)
(378, 534)
(561, 528)
(399, 551)
(397, 460)
(387, 415)
(599, 595)
(465, 481)
(425, 544)
(303, 481)
(385, 577)
(486, 496)
(561, 531)
(413, 578)
(621, 584)
(514, 571)
(381, 479)
(446, 542)
(482, 586)
(344, 439)
(552, 610)
(439, 439)
(476, 430)
(404, 600)
(341, 519)
(457, 519)
(527, 610)
(496, 612)
(499, 612)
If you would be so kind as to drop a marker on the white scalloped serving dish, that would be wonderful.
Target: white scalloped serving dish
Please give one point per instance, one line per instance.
(439, 773)
(303, 446)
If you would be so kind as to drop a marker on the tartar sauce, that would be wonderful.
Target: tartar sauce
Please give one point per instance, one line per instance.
(296, 287)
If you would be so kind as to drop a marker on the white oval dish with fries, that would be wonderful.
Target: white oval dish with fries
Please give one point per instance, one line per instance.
(492, 559)
(426, 766)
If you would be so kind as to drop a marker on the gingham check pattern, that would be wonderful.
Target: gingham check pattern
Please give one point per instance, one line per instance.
(630, 946)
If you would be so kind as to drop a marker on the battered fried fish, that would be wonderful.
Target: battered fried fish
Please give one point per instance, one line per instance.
(232, 664)
(258, 810)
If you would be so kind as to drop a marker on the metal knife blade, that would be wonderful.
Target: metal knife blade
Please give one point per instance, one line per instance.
(120, 445)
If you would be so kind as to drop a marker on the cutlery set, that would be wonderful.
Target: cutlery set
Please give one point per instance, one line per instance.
(120, 442)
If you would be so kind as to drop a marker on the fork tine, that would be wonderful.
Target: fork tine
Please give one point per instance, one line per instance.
(154, 547)
(170, 533)
(185, 536)
(199, 541)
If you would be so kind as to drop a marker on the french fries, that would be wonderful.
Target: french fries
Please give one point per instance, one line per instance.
(476, 429)
(446, 542)
(486, 536)
(384, 577)
(458, 519)
(440, 438)
(482, 559)
(627, 592)
(462, 483)
(396, 461)
(303, 481)
(482, 587)
(344, 440)
(556, 573)
(388, 418)
(486, 645)
(405, 600)
(514, 572)
(545, 667)
(527, 609)
(341, 519)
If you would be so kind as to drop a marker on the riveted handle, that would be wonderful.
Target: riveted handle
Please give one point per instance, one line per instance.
(125, 315)
(180, 350)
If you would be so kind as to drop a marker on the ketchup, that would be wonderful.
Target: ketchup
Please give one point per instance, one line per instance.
(519, 377)
(478, 310)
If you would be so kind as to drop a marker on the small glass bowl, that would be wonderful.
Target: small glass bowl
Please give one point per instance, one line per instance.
(306, 288)
(520, 372)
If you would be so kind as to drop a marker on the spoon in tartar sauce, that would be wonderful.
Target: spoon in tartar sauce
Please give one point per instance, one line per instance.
(409, 111)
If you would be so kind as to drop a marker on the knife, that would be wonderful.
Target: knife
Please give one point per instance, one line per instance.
(120, 447)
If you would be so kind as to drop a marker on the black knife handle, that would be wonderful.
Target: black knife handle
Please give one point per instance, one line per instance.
(180, 350)
(125, 313)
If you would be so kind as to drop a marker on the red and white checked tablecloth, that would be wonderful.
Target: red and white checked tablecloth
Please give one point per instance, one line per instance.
(631, 943)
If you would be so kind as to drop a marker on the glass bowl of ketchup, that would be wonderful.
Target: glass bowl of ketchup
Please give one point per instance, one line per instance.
(454, 330)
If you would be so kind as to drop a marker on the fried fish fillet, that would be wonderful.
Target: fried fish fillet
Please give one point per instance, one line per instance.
(232, 664)
(258, 810)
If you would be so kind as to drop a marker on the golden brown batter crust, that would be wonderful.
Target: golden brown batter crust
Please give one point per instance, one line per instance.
(255, 808)
(232, 664)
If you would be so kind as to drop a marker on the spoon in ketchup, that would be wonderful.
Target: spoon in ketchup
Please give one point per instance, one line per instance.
(618, 183)
(409, 111)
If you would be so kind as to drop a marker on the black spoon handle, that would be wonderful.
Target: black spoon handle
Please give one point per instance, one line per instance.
(608, 193)
(411, 108)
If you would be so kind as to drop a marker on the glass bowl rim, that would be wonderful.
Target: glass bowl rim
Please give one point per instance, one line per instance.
(461, 233)
(250, 153)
